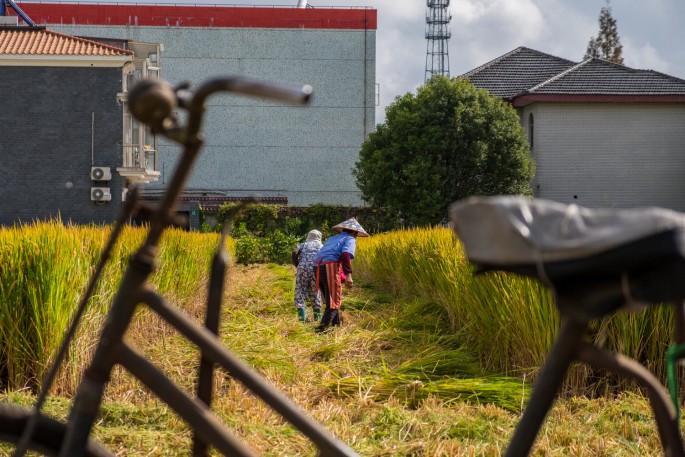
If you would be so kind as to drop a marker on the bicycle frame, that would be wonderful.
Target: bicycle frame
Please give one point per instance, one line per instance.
(569, 346)
(153, 103)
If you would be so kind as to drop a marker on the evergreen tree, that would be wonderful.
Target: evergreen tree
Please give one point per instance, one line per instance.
(448, 141)
(607, 44)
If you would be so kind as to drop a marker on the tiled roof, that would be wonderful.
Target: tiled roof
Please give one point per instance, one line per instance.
(517, 71)
(597, 76)
(525, 71)
(39, 41)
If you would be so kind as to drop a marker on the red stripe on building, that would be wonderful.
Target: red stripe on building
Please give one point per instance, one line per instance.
(200, 16)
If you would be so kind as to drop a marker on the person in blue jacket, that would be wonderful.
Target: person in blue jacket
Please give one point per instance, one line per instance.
(333, 268)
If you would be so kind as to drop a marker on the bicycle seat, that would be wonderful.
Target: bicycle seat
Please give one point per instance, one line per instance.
(600, 259)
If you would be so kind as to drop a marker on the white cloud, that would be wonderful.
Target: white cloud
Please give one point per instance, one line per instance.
(644, 57)
(521, 19)
(394, 10)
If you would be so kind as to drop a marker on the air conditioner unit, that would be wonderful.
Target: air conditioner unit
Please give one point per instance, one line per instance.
(100, 194)
(100, 173)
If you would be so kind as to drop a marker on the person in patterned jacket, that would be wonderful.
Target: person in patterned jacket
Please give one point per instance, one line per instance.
(305, 279)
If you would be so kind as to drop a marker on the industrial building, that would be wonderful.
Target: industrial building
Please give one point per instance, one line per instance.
(253, 148)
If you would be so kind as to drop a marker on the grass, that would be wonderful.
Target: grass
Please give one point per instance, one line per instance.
(383, 341)
(414, 371)
(508, 321)
(45, 268)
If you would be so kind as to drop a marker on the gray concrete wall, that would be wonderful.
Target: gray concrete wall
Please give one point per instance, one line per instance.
(609, 155)
(265, 149)
(45, 143)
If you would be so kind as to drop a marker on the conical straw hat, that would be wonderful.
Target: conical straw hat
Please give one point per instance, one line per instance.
(351, 224)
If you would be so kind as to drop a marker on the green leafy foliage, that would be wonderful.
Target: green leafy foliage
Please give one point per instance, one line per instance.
(449, 141)
(265, 233)
(280, 246)
(258, 219)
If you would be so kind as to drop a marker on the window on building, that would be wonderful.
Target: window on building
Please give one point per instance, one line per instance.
(531, 131)
(139, 163)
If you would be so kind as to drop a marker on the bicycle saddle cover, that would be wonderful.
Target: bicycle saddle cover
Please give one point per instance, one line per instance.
(516, 230)
(568, 246)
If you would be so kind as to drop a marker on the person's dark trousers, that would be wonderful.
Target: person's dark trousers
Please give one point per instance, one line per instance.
(330, 316)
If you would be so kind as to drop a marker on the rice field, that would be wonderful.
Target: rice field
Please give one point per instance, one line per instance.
(45, 269)
(399, 354)
(508, 320)
(430, 361)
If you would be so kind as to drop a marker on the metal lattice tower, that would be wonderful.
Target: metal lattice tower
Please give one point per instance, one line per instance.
(437, 34)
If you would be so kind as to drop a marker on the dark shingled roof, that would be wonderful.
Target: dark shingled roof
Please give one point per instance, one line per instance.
(526, 71)
(601, 77)
(517, 71)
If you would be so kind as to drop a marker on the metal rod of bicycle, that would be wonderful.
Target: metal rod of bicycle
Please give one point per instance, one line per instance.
(153, 103)
(212, 318)
(213, 350)
(547, 386)
(568, 347)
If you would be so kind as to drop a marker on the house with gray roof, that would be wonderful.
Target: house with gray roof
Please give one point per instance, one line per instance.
(254, 148)
(603, 135)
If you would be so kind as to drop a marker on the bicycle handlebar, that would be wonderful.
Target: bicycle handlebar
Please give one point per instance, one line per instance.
(153, 102)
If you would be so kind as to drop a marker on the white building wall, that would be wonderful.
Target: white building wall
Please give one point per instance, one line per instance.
(257, 148)
(609, 155)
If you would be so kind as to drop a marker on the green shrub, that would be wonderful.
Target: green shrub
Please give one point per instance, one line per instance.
(258, 219)
(280, 247)
(266, 233)
(250, 249)
(276, 247)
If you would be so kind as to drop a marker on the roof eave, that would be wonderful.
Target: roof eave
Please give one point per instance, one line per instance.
(527, 99)
(14, 60)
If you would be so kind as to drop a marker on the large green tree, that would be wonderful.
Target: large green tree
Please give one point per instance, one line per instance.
(607, 44)
(449, 141)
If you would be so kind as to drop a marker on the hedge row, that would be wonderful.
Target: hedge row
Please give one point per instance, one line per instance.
(268, 233)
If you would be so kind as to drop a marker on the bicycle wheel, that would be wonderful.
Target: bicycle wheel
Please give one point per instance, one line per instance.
(47, 437)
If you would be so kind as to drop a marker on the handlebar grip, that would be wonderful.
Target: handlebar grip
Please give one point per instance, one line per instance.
(255, 88)
(152, 101)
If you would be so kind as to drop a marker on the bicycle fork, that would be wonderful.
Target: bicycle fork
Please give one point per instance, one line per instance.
(570, 346)
(90, 390)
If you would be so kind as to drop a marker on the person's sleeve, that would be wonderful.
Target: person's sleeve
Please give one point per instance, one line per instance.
(349, 247)
(296, 254)
(345, 259)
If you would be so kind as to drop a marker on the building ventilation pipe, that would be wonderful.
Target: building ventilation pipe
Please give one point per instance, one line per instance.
(302, 4)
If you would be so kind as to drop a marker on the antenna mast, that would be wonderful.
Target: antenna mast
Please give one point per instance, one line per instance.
(437, 34)
(5, 5)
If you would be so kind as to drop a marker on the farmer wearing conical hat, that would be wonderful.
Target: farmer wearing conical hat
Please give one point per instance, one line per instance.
(334, 268)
